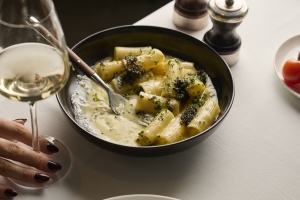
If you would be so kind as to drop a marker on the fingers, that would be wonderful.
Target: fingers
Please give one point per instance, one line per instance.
(21, 154)
(12, 155)
(15, 130)
(17, 172)
(7, 192)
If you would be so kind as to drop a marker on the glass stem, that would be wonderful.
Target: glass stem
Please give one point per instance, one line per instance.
(34, 127)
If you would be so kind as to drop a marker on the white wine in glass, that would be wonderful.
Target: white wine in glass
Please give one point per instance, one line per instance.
(32, 68)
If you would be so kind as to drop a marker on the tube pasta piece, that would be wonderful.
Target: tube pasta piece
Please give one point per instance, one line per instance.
(150, 103)
(173, 71)
(173, 132)
(196, 88)
(188, 72)
(188, 69)
(149, 135)
(188, 65)
(121, 52)
(160, 69)
(205, 117)
(205, 95)
(158, 77)
(200, 101)
(152, 86)
(119, 88)
(151, 59)
(109, 70)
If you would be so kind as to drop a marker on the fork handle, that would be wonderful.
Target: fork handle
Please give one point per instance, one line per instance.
(78, 61)
(81, 64)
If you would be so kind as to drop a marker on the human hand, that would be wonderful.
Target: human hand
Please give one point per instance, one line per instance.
(9, 150)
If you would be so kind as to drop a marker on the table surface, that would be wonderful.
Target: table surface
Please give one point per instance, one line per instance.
(254, 154)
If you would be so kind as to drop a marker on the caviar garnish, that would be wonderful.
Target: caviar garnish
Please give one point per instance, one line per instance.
(201, 75)
(137, 90)
(180, 91)
(126, 96)
(145, 117)
(189, 114)
(133, 71)
(168, 105)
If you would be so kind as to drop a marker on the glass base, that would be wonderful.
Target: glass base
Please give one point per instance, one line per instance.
(63, 157)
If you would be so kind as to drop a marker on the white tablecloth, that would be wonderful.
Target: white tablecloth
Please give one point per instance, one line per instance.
(255, 154)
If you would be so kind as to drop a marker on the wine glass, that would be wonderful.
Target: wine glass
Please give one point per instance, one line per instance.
(32, 67)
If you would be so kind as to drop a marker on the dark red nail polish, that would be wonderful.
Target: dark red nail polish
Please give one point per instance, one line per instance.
(52, 148)
(54, 166)
(10, 193)
(41, 177)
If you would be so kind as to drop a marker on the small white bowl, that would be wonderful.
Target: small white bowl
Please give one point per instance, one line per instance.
(141, 197)
(289, 49)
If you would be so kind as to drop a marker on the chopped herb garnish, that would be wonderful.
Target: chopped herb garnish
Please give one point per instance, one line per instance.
(95, 98)
(141, 134)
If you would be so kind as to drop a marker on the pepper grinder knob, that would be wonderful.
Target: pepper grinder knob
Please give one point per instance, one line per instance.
(226, 16)
(190, 14)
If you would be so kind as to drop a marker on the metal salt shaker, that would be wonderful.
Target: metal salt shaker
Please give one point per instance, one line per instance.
(190, 14)
(226, 16)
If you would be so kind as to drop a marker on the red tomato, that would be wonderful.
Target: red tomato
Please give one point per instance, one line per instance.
(291, 71)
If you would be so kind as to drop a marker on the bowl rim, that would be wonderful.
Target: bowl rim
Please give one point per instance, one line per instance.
(166, 145)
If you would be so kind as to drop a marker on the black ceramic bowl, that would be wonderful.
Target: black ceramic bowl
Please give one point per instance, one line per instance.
(170, 42)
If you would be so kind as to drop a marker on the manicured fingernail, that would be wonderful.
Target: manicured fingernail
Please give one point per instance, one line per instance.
(10, 193)
(24, 120)
(41, 177)
(54, 166)
(21, 120)
(52, 148)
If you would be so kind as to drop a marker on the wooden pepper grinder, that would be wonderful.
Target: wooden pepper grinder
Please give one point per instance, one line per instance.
(190, 14)
(226, 16)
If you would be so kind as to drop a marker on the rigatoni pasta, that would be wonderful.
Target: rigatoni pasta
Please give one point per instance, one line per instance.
(205, 117)
(195, 88)
(152, 86)
(109, 70)
(173, 71)
(173, 132)
(168, 99)
(151, 133)
(153, 104)
(121, 52)
(150, 59)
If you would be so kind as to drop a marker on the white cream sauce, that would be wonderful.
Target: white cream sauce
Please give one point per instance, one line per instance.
(93, 113)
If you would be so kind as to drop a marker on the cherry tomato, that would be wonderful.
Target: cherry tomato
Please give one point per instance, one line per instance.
(291, 71)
